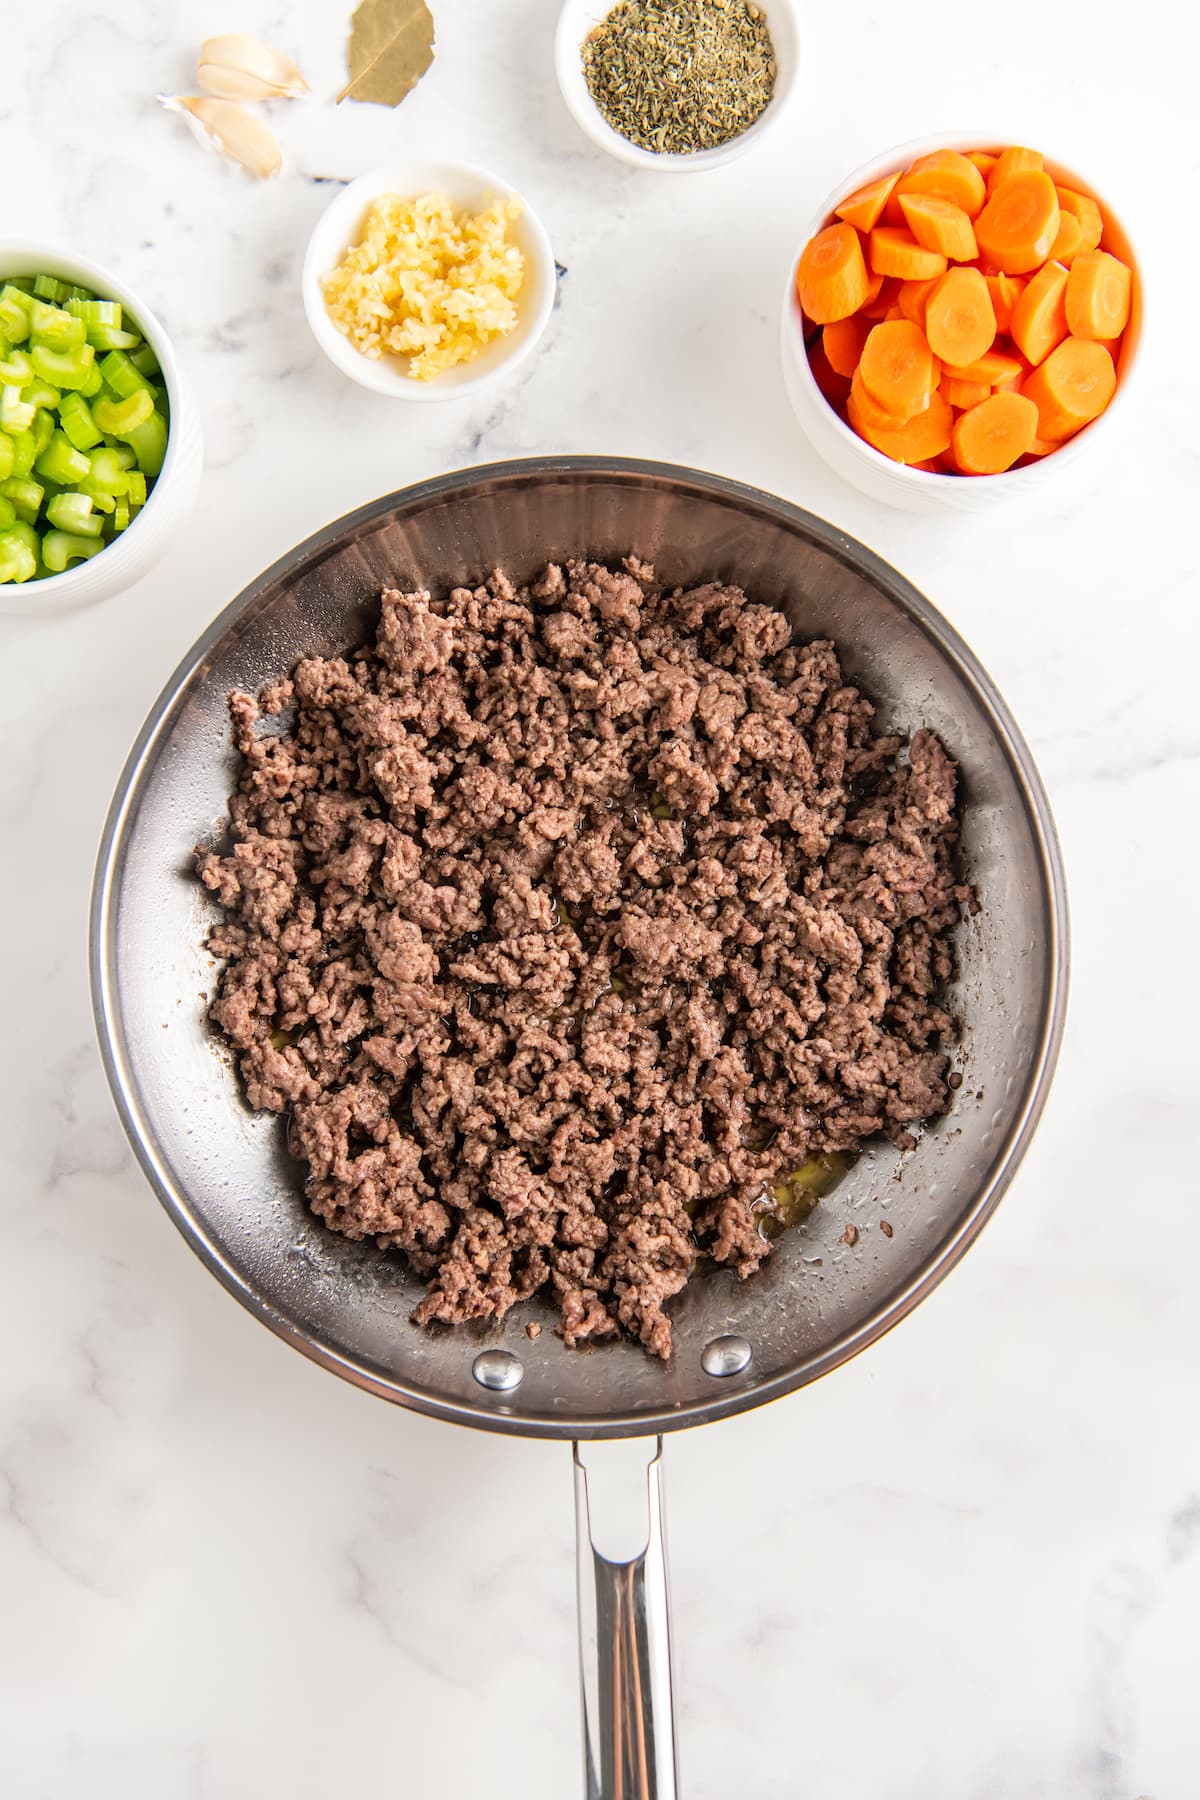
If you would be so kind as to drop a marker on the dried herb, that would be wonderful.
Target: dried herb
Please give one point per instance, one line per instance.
(391, 46)
(676, 76)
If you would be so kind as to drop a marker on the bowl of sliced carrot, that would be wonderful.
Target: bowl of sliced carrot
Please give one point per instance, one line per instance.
(963, 316)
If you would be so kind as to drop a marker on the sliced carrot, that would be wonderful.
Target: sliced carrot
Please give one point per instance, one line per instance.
(894, 250)
(835, 387)
(984, 161)
(874, 283)
(897, 369)
(1039, 319)
(962, 393)
(893, 312)
(1005, 291)
(1085, 209)
(862, 208)
(1041, 447)
(843, 341)
(931, 466)
(1069, 241)
(1013, 161)
(884, 298)
(926, 434)
(959, 322)
(938, 224)
(1072, 387)
(1019, 224)
(989, 438)
(832, 277)
(994, 367)
(911, 297)
(948, 175)
(1099, 291)
(868, 408)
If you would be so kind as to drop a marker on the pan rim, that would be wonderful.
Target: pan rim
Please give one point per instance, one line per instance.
(508, 1417)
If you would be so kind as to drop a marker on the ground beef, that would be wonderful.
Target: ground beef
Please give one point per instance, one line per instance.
(565, 923)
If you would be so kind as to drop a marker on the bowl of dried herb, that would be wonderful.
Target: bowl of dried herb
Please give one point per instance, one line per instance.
(676, 85)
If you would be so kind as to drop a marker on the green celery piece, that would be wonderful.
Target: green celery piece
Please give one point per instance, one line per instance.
(24, 451)
(119, 418)
(15, 413)
(8, 453)
(42, 431)
(126, 458)
(41, 394)
(26, 496)
(75, 292)
(23, 284)
(121, 376)
(121, 515)
(55, 328)
(8, 512)
(105, 472)
(144, 359)
(149, 442)
(62, 547)
(14, 320)
(75, 417)
(94, 383)
(16, 369)
(49, 287)
(17, 560)
(60, 461)
(100, 498)
(111, 337)
(135, 487)
(73, 512)
(96, 312)
(65, 368)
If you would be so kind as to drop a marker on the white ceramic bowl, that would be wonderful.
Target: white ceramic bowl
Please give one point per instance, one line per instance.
(138, 548)
(918, 490)
(578, 17)
(341, 225)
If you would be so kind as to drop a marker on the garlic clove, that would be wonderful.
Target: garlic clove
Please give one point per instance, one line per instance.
(244, 68)
(230, 129)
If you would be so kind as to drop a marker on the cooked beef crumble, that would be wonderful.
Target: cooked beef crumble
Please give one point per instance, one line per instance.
(566, 921)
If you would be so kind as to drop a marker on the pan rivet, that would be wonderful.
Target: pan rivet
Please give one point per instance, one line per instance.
(726, 1356)
(499, 1370)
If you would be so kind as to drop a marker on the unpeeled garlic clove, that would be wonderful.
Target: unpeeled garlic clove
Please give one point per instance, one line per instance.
(244, 68)
(229, 128)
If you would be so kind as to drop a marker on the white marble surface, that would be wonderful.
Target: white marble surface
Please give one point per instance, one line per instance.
(971, 1564)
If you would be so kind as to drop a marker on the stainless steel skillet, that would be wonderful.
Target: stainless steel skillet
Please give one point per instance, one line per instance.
(223, 1175)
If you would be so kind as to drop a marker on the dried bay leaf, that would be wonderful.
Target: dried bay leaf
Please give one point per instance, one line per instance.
(390, 48)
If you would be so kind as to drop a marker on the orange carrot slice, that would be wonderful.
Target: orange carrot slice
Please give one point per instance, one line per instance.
(1072, 387)
(1039, 319)
(984, 161)
(959, 322)
(1085, 209)
(948, 175)
(1099, 291)
(897, 369)
(995, 367)
(1042, 446)
(938, 224)
(842, 342)
(962, 393)
(926, 435)
(931, 466)
(832, 277)
(862, 208)
(893, 250)
(1069, 241)
(911, 297)
(835, 387)
(1005, 291)
(989, 438)
(884, 298)
(1013, 161)
(1019, 224)
(868, 408)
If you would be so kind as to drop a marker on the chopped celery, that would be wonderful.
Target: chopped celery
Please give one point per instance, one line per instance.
(22, 283)
(96, 312)
(41, 394)
(144, 359)
(75, 417)
(42, 430)
(121, 516)
(109, 337)
(105, 472)
(8, 512)
(126, 457)
(93, 384)
(17, 561)
(26, 496)
(24, 451)
(48, 287)
(73, 512)
(135, 487)
(7, 456)
(100, 498)
(67, 368)
(14, 320)
(61, 547)
(61, 462)
(121, 376)
(55, 328)
(15, 413)
(16, 369)
(75, 292)
(118, 418)
(149, 442)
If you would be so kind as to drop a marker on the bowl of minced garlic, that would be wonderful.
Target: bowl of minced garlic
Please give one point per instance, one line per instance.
(426, 281)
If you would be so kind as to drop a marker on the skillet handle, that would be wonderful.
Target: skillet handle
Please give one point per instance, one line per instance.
(624, 1625)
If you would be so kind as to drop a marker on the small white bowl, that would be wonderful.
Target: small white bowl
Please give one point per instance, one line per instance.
(920, 490)
(139, 547)
(340, 226)
(579, 17)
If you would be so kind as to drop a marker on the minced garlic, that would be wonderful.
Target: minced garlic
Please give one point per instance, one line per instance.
(427, 282)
